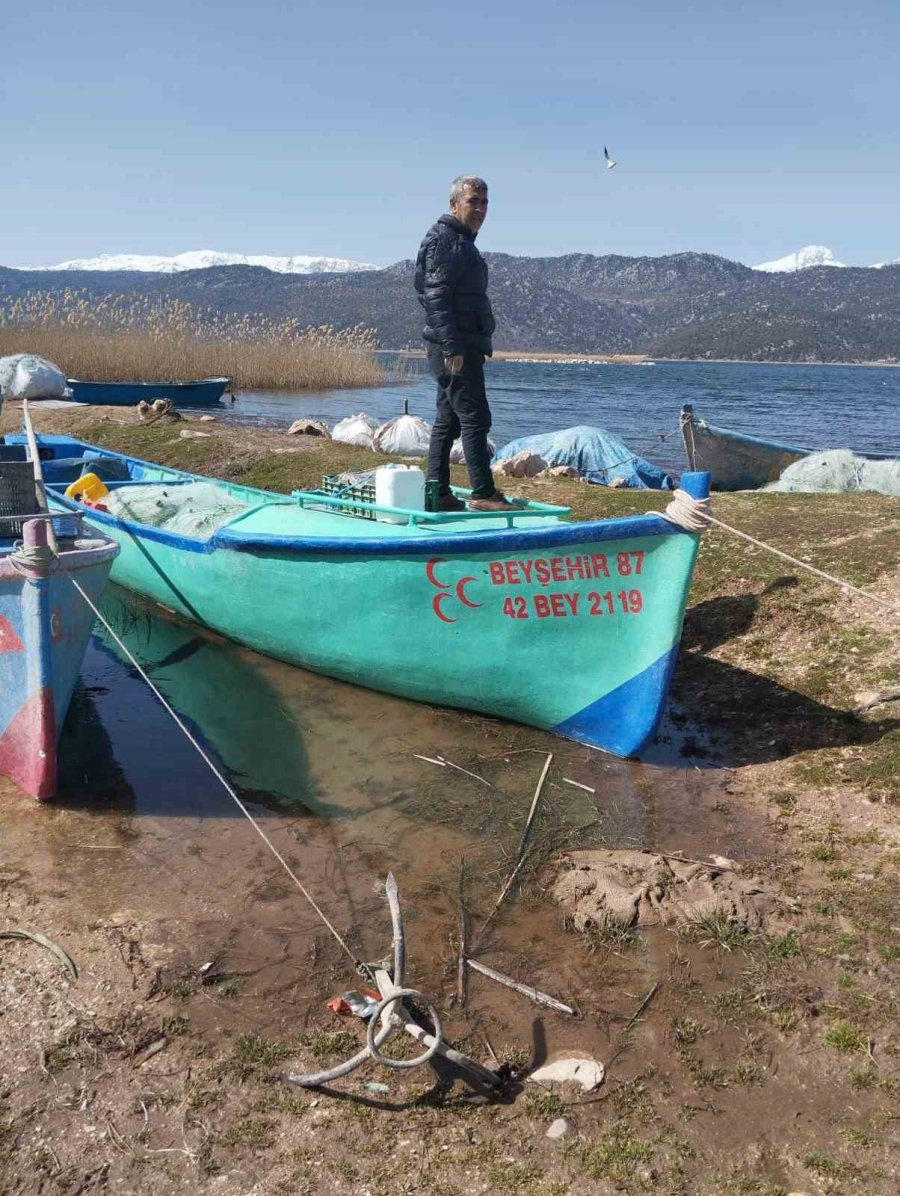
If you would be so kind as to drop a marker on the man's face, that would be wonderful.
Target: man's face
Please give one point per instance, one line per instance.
(471, 208)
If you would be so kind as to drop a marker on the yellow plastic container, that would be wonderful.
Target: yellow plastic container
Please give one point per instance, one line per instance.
(87, 486)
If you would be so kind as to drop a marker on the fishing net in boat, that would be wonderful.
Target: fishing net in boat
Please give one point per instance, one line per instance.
(193, 509)
(838, 471)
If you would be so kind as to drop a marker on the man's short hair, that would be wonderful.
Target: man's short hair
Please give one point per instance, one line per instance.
(465, 181)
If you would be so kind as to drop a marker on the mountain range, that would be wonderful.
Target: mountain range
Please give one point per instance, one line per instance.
(685, 305)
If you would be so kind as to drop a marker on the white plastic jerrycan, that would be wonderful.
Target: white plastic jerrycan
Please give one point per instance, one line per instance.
(399, 486)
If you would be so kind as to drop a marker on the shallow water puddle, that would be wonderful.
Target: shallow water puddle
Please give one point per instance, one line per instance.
(145, 842)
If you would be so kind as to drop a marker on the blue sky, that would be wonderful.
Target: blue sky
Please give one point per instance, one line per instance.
(745, 129)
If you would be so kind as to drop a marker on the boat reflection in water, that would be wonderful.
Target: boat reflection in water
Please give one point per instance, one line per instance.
(216, 688)
(310, 747)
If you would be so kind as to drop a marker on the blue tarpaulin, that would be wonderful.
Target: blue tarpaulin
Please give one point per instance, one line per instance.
(598, 455)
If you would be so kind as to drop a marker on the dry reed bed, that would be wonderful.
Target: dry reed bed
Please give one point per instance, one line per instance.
(126, 338)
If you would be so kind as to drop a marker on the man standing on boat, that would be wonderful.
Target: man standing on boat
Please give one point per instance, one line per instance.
(451, 282)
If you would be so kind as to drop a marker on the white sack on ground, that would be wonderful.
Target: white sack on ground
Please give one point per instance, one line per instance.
(407, 436)
(458, 457)
(27, 376)
(355, 429)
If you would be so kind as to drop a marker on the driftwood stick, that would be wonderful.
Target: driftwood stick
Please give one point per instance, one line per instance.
(578, 785)
(459, 768)
(463, 935)
(520, 856)
(526, 990)
(393, 896)
(643, 1005)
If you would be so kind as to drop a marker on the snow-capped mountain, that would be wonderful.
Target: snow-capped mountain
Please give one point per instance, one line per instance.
(803, 259)
(202, 259)
(893, 262)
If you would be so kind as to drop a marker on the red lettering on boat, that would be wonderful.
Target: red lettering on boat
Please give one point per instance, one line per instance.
(542, 571)
(556, 568)
(512, 573)
(498, 575)
(541, 606)
(9, 641)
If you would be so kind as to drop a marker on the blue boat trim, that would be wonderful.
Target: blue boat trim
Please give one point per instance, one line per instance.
(625, 709)
(557, 535)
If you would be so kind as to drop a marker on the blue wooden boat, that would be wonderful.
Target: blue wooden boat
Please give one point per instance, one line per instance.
(45, 625)
(736, 461)
(569, 626)
(202, 392)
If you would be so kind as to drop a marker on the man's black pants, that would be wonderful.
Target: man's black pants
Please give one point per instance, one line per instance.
(462, 410)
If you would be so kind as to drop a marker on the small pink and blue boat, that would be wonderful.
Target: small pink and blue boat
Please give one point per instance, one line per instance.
(45, 625)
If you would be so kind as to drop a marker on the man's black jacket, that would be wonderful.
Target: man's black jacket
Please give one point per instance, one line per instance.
(451, 281)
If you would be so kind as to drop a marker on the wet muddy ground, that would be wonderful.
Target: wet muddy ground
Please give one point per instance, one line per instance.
(763, 1064)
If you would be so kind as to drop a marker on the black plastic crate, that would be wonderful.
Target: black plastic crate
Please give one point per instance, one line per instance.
(18, 497)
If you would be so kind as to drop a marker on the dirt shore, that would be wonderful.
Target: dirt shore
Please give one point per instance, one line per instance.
(766, 1061)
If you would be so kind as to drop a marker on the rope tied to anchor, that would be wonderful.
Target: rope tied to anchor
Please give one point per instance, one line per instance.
(693, 515)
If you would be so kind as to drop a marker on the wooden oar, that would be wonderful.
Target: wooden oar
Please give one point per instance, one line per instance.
(38, 475)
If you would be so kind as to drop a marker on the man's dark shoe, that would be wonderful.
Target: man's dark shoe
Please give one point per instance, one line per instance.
(449, 502)
(496, 502)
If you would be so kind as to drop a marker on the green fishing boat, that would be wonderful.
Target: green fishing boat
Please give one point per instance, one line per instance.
(568, 626)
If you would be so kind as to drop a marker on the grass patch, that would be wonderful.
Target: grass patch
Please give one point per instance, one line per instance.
(715, 929)
(845, 1037)
(254, 1055)
(507, 1177)
(544, 1104)
(615, 1155)
(249, 1134)
(322, 1044)
(176, 1026)
(823, 1164)
(784, 946)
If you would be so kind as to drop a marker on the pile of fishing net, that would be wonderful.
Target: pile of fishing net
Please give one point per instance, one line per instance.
(839, 471)
(189, 508)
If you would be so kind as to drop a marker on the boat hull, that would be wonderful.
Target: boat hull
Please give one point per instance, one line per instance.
(571, 627)
(738, 462)
(201, 393)
(735, 461)
(44, 630)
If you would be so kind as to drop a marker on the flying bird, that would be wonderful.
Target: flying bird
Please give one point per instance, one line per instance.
(610, 162)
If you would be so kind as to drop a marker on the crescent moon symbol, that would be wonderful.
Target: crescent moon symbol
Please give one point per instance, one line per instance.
(429, 573)
(461, 591)
(436, 605)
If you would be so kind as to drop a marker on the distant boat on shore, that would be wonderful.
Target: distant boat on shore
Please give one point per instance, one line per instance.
(737, 461)
(200, 392)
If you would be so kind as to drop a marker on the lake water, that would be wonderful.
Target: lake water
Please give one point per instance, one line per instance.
(820, 406)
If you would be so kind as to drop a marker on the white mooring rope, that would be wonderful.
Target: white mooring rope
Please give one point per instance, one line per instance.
(693, 515)
(228, 789)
